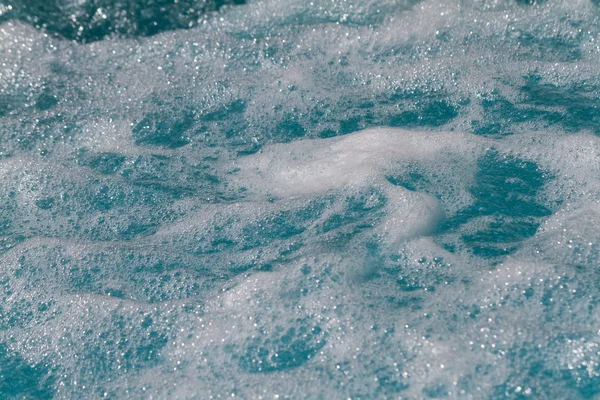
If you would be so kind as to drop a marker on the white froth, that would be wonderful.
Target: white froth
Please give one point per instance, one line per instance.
(316, 166)
(394, 306)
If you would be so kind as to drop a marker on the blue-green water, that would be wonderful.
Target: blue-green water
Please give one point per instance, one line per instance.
(300, 199)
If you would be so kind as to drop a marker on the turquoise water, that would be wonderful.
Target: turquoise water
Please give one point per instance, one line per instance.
(393, 199)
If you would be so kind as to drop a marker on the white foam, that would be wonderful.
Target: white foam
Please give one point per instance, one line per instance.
(319, 63)
(362, 158)
(353, 162)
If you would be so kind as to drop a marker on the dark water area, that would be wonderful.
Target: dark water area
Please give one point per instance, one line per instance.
(91, 20)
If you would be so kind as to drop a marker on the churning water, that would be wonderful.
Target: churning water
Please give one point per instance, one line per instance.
(319, 199)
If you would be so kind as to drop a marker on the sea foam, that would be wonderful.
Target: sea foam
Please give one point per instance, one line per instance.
(303, 199)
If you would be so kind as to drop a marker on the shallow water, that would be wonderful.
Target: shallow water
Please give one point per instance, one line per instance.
(300, 199)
